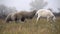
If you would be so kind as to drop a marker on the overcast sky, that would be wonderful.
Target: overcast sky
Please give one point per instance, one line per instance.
(19, 4)
(53, 4)
(24, 4)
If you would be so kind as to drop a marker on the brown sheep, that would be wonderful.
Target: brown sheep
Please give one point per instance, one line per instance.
(22, 15)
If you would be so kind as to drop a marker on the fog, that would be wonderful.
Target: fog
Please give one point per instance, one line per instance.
(54, 4)
(24, 4)
(19, 4)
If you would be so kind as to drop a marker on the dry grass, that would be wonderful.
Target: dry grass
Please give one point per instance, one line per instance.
(30, 27)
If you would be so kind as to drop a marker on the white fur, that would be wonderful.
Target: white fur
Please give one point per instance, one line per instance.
(45, 13)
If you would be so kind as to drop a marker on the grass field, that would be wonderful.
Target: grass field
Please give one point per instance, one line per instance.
(30, 27)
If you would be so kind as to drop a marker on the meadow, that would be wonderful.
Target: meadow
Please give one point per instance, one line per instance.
(30, 27)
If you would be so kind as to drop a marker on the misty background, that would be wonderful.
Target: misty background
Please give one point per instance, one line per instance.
(10, 6)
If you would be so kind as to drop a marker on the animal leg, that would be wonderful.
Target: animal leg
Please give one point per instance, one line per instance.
(47, 19)
(54, 19)
(37, 19)
(22, 19)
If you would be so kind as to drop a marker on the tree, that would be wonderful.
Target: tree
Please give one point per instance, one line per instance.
(38, 4)
(4, 11)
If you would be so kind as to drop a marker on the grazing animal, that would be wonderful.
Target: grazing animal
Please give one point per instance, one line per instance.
(22, 15)
(10, 17)
(45, 13)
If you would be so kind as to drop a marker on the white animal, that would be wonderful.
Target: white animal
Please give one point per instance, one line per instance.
(45, 13)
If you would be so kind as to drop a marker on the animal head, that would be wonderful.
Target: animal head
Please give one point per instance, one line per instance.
(34, 12)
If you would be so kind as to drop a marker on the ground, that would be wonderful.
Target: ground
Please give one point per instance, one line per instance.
(30, 27)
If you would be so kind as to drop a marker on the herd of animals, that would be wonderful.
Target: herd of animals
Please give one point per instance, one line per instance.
(22, 15)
